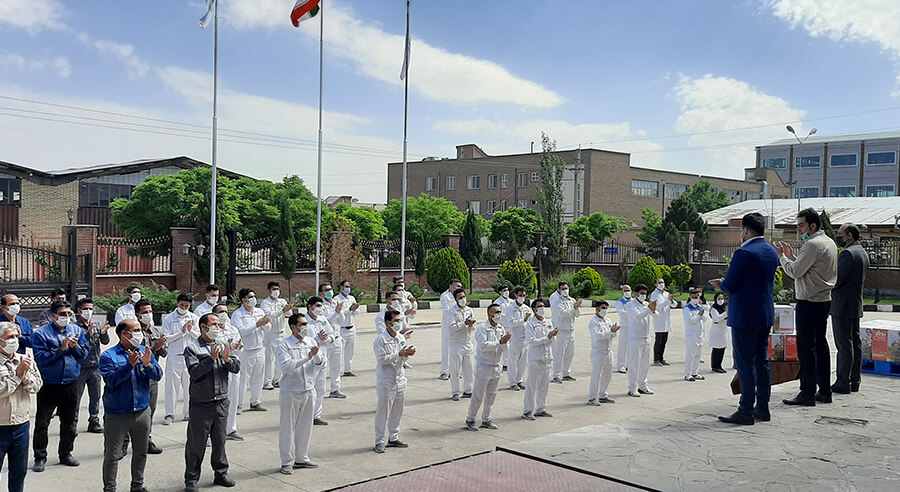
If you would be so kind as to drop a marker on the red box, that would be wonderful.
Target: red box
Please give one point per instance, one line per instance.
(880, 345)
(783, 347)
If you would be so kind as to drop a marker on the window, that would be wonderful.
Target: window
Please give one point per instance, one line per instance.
(503, 206)
(474, 207)
(674, 190)
(451, 183)
(10, 191)
(101, 194)
(644, 188)
(430, 184)
(733, 195)
(523, 180)
(842, 191)
(811, 192)
(535, 177)
(881, 158)
(808, 161)
(880, 190)
(492, 206)
(460, 153)
(504, 180)
(522, 204)
(838, 160)
(775, 163)
(473, 182)
(492, 181)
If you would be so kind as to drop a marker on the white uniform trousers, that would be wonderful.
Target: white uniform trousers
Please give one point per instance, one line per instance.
(295, 425)
(234, 387)
(335, 353)
(321, 374)
(693, 347)
(461, 360)
(272, 369)
(177, 380)
(639, 352)
(388, 412)
(563, 353)
(518, 361)
(622, 352)
(445, 350)
(601, 372)
(348, 336)
(537, 386)
(487, 378)
(252, 368)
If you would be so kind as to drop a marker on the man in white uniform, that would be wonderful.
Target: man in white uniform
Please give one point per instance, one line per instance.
(298, 356)
(391, 299)
(461, 322)
(233, 336)
(391, 350)
(564, 309)
(622, 310)
(539, 336)
(490, 340)
(320, 329)
(252, 322)
(126, 311)
(448, 302)
(181, 328)
(278, 310)
(639, 313)
(212, 298)
(602, 332)
(334, 351)
(662, 324)
(517, 313)
(345, 311)
(694, 312)
(503, 301)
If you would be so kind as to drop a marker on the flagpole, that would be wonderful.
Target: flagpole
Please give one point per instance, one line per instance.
(212, 220)
(319, 172)
(404, 187)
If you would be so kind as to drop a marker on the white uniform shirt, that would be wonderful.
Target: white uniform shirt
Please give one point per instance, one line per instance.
(274, 309)
(448, 301)
(601, 332)
(514, 320)
(379, 322)
(321, 324)
(230, 332)
(563, 312)
(125, 311)
(203, 308)
(296, 365)
(639, 315)
(345, 317)
(489, 349)
(246, 322)
(693, 317)
(176, 339)
(536, 339)
(663, 322)
(460, 332)
(622, 310)
(390, 370)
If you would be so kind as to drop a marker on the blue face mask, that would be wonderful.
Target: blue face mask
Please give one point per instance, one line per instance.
(804, 236)
(346, 291)
(329, 294)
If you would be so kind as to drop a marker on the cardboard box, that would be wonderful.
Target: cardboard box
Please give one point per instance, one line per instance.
(784, 319)
(893, 341)
(880, 344)
(877, 339)
(866, 338)
(782, 348)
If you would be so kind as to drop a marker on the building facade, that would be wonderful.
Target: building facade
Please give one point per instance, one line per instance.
(594, 180)
(864, 165)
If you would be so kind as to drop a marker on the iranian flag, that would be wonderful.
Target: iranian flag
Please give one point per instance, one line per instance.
(303, 10)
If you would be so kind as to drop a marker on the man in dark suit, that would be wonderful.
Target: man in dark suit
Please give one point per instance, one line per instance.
(751, 314)
(846, 309)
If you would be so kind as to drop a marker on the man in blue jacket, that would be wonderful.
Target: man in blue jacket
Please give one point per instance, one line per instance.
(751, 307)
(9, 311)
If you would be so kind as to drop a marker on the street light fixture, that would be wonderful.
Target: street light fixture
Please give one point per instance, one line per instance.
(194, 251)
(800, 151)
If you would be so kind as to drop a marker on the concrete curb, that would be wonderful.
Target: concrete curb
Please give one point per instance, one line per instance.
(882, 308)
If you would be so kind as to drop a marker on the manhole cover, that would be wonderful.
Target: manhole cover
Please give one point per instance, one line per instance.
(841, 421)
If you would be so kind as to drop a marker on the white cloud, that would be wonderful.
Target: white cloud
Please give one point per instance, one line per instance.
(14, 61)
(32, 15)
(137, 66)
(435, 73)
(712, 104)
(859, 21)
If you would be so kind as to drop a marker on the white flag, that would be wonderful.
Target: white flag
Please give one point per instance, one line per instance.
(211, 5)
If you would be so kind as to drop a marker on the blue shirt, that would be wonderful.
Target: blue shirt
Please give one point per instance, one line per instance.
(57, 366)
(127, 387)
(27, 331)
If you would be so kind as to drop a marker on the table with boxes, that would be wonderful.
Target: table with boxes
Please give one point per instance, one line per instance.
(880, 346)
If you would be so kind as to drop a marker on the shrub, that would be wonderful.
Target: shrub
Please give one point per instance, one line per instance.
(779, 279)
(644, 272)
(162, 299)
(682, 275)
(416, 290)
(665, 272)
(443, 265)
(109, 303)
(517, 272)
(549, 285)
(587, 282)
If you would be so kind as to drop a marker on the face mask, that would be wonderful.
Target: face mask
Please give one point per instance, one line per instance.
(540, 311)
(505, 294)
(461, 302)
(520, 299)
(181, 312)
(346, 291)
(720, 301)
(213, 300)
(840, 242)
(319, 311)
(137, 338)
(87, 313)
(275, 294)
(395, 326)
(495, 318)
(13, 309)
(661, 286)
(12, 345)
(329, 294)
(564, 292)
(804, 236)
(63, 321)
(627, 294)
(601, 313)
(695, 302)
(642, 297)
(213, 333)
(395, 305)
(147, 318)
(251, 301)
(223, 317)
(135, 296)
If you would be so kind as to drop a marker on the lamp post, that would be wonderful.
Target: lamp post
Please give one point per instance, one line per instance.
(539, 251)
(194, 251)
(71, 214)
(800, 151)
(379, 250)
(701, 256)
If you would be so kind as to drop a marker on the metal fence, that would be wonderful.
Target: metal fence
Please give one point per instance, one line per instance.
(29, 264)
(123, 256)
(609, 252)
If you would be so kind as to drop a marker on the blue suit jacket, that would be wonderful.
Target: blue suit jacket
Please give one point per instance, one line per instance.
(749, 283)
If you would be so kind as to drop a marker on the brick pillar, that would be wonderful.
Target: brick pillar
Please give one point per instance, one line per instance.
(85, 238)
(181, 263)
(451, 241)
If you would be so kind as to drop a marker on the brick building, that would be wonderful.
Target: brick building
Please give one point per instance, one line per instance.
(606, 182)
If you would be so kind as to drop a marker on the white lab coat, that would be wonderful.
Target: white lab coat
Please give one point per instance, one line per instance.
(230, 332)
(540, 362)
(345, 320)
(639, 345)
(313, 327)
(718, 333)
(488, 369)
(514, 320)
(274, 331)
(601, 356)
(203, 308)
(125, 311)
(390, 385)
(622, 352)
(693, 337)
(564, 314)
(461, 353)
(176, 373)
(663, 322)
(296, 397)
(448, 302)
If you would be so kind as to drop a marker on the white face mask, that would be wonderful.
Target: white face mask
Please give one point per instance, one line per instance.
(602, 313)
(213, 300)
(275, 294)
(12, 344)
(251, 301)
(539, 311)
(213, 333)
(564, 292)
(318, 311)
(695, 302)
(461, 302)
(395, 305)
(642, 297)
(626, 294)
(661, 286)
(720, 301)
(395, 326)
(505, 294)
(63, 321)
(137, 338)
(135, 296)
(496, 318)
(223, 317)
(181, 312)
(147, 318)
(87, 313)
(13, 309)
(520, 299)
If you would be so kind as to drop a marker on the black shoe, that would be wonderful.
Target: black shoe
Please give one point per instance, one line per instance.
(854, 388)
(152, 448)
(142, 489)
(39, 466)
(663, 362)
(738, 418)
(543, 413)
(568, 378)
(762, 417)
(842, 390)
(319, 422)
(466, 395)
(719, 370)
(68, 460)
(224, 480)
(797, 400)
(94, 427)
(521, 386)
(191, 487)
(470, 426)
(823, 398)
(504, 368)
(397, 444)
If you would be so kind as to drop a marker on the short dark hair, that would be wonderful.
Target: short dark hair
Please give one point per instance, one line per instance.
(518, 289)
(314, 299)
(122, 326)
(390, 315)
(131, 288)
(83, 301)
(562, 283)
(534, 302)
(272, 284)
(245, 293)
(602, 303)
(322, 285)
(811, 217)
(853, 230)
(695, 290)
(183, 297)
(390, 293)
(755, 222)
(640, 287)
(143, 302)
(212, 288)
(220, 305)
(395, 279)
(204, 320)
(57, 292)
(493, 304)
(453, 281)
(342, 282)
(57, 305)
(457, 292)
(3, 299)
(295, 319)
(397, 287)
(502, 287)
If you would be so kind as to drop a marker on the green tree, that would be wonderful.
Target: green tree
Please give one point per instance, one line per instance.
(703, 198)
(443, 265)
(430, 216)
(515, 228)
(826, 225)
(420, 257)
(682, 275)
(587, 282)
(518, 272)
(285, 250)
(673, 247)
(364, 221)
(550, 199)
(644, 272)
(470, 247)
(684, 216)
(665, 273)
(589, 230)
(651, 233)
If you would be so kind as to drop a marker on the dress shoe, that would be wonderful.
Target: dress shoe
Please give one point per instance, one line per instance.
(379, 448)
(152, 448)
(762, 417)
(224, 480)
(39, 466)
(738, 418)
(306, 464)
(470, 426)
(488, 425)
(337, 394)
(568, 378)
(622, 370)
(842, 390)
(139, 489)
(543, 413)
(823, 398)
(528, 416)
(467, 395)
(68, 460)
(797, 400)
(663, 362)
(94, 426)
(349, 374)
(854, 388)
(556, 380)
(191, 487)
(520, 385)
(504, 368)
(719, 370)
(397, 443)
(320, 422)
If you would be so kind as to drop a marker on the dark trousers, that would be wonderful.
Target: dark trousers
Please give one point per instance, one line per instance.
(64, 399)
(812, 348)
(659, 346)
(115, 427)
(718, 354)
(14, 443)
(750, 347)
(90, 378)
(849, 350)
(154, 392)
(207, 420)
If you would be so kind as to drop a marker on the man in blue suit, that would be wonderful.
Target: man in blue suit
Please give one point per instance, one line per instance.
(751, 314)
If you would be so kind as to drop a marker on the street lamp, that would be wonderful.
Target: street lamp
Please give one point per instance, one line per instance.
(701, 256)
(379, 250)
(800, 151)
(194, 251)
(71, 214)
(539, 251)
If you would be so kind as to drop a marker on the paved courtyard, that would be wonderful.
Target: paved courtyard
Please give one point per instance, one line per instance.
(670, 440)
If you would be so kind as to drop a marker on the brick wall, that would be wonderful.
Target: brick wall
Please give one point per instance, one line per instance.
(43, 210)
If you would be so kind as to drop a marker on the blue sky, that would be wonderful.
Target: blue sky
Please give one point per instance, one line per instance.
(653, 78)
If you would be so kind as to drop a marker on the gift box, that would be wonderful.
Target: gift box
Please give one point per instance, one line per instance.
(880, 344)
(893, 346)
(782, 348)
(784, 319)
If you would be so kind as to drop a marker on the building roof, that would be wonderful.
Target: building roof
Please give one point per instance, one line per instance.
(847, 137)
(60, 176)
(880, 211)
